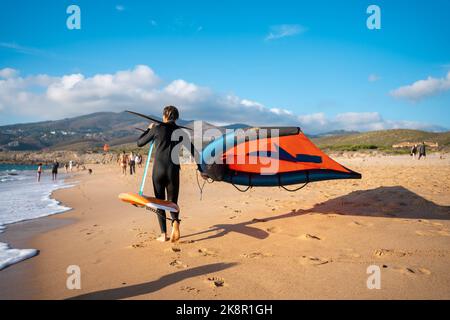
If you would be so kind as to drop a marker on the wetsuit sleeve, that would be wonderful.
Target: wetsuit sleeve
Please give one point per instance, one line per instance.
(146, 137)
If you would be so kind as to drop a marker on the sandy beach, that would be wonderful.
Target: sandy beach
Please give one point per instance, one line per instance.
(316, 243)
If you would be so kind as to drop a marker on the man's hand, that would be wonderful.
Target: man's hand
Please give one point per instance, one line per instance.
(151, 125)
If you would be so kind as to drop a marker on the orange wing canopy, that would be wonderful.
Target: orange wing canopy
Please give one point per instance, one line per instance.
(280, 155)
(270, 159)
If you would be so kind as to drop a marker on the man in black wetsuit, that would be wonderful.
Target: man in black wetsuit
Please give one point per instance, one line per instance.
(166, 174)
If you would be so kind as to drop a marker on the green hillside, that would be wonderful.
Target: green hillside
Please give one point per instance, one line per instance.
(381, 140)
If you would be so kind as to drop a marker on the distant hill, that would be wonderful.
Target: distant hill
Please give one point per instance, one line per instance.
(381, 140)
(90, 132)
(78, 133)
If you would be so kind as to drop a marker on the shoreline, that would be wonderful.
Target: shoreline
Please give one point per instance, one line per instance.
(25, 200)
(22, 234)
(115, 244)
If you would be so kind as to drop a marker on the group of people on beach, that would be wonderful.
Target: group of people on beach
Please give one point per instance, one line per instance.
(129, 160)
(419, 151)
(55, 167)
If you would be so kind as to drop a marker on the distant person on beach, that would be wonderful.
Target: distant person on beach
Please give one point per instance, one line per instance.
(70, 165)
(422, 151)
(414, 151)
(55, 170)
(123, 161)
(66, 167)
(39, 172)
(132, 163)
(138, 160)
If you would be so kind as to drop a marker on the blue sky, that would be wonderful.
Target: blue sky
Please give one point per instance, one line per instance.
(314, 63)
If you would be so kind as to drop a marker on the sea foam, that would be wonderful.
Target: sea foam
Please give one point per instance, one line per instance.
(23, 198)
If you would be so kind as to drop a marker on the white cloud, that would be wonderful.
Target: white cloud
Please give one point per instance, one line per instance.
(423, 88)
(373, 78)
(45, 97)
(284, 30)
(8, 73)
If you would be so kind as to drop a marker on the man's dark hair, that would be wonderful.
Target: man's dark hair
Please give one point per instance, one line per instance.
(171, 113)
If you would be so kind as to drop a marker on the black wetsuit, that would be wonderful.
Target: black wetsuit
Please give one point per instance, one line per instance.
(166, 174)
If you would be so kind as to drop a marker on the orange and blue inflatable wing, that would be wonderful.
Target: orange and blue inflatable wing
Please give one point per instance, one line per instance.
(269, 157)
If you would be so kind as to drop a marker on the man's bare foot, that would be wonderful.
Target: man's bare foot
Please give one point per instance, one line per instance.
(175, 236)
(162, 238)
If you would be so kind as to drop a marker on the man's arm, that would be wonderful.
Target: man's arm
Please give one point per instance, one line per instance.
(146, 137)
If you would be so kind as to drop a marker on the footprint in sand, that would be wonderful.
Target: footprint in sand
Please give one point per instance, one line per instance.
(178, 264)
(315, 261)
(390, 253)
(138, 245)
(141, 234)
(216, 282)
(143, 243)
(207, 252)
(186, 241)
(273, 230)
(173, 249)
(254, 255)
(308, 236)
(190, 289)
(256, 220)
(411, 271)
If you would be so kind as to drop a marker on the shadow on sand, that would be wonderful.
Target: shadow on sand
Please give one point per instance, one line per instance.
(152, 286)
(387, 202)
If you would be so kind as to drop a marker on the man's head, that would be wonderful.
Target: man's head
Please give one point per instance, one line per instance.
(170, 113)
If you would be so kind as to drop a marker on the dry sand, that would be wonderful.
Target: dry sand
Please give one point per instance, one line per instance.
(264, 244)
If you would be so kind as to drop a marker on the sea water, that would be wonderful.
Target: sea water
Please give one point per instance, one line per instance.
(23, 198)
